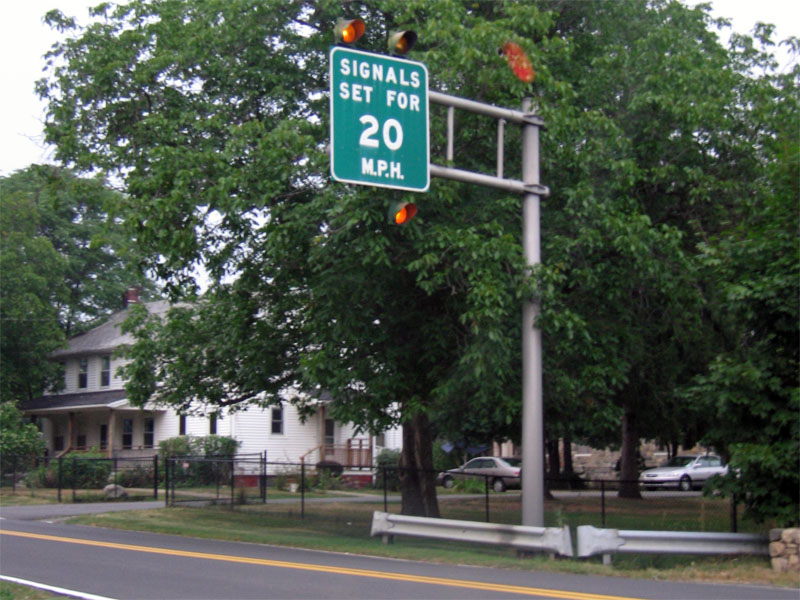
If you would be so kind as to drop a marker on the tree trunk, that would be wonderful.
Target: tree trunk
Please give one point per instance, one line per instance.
(569, 469)
(554, 466)
(417, 477)
(629, 467)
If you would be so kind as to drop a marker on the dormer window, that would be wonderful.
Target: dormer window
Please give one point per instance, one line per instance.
(83, 373)
(105, 371)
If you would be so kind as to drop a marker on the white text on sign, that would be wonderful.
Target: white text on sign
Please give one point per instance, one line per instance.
(391, 131)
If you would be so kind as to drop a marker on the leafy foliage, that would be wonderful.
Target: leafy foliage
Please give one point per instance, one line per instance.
(214, 115)
(18, 438)
(85, 470)
(196, 468)
(32, 283)
(64, 264)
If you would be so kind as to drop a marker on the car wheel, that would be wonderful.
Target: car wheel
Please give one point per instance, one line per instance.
(448, 482)
(498, 485)
(685, 484)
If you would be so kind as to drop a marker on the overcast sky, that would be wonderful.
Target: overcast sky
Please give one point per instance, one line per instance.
(24, 39)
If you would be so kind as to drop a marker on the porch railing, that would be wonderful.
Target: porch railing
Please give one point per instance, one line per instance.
(355, 453)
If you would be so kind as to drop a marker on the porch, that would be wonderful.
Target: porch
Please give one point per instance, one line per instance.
(355, 453)
(102, 421)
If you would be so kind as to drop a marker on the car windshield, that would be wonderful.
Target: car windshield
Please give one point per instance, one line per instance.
(679, 461)
(514, 462)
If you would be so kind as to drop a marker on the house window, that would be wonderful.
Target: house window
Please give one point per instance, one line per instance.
(212, 424)
(105, 371)
(83, 372)
(103, 437)
(58, 443)
(329, 433)
(149, 432)
(127, 434)
(81, 441)
(182, 425)
(277, 419)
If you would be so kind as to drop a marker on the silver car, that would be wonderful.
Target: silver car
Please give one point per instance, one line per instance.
(502, 473)
(684, 472)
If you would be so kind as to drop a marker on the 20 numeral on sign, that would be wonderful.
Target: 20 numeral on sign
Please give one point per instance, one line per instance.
(372, 124)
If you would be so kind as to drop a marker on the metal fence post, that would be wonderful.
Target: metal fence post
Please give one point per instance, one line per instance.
(155, 477)
(264, 477)
(60, 479)
(385, 491)
(486, 494)
(303, 490)
(233, 480)
(172, 478)
(734, 524)
(603, 502)
(166, 481)
(74, 483)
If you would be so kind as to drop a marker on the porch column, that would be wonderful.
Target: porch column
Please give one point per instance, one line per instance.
(71, 431)
(323, 452)
(110, 440)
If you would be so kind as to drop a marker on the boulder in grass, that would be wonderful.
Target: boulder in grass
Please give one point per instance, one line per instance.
(112, 490)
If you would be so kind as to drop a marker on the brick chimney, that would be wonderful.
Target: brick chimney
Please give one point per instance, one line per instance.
(131, 296)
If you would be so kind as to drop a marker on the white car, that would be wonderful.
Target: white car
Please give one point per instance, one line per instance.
(683, 472)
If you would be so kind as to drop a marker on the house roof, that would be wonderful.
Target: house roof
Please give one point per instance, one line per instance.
(107, 398)
(106, 337)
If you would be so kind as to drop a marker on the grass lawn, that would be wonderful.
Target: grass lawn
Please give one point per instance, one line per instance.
(15, 591)
(23, 496)
(345, 527)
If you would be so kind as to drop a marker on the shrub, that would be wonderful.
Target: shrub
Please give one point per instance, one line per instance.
(327, 476)
(442, 461)
(285, 476)
(81, 471)
(387, 462)
(139, 476)
(567, 481)
(174, 447)
(331, 467)
(200, 472)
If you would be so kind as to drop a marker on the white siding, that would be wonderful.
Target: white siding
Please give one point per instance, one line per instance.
(94, 364)
(253, 428)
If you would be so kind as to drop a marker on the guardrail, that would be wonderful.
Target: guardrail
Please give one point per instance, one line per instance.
(539, 539)
(593, 541)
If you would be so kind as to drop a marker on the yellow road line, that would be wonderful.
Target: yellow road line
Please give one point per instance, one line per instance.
(475, 585)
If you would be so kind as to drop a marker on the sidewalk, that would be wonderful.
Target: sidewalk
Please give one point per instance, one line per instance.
(53, 511)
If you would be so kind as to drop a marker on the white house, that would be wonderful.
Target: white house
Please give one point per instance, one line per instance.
(92, 411)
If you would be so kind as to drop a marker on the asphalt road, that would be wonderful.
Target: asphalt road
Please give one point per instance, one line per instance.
(125, 564)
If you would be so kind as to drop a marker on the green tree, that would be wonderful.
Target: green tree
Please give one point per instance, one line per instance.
(655, 149)
(74, 215)
(754, 265)
(211, 112)
(31, 287)
(65, 264)
(214, 115)
(18, 438)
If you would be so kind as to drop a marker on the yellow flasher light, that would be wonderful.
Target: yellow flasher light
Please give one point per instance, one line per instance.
(349, 30)
(400, 42)
(401, 213)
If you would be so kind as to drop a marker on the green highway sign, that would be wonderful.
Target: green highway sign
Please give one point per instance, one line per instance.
(379, 120)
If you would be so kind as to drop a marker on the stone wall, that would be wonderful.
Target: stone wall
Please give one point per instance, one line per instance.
(784, 549)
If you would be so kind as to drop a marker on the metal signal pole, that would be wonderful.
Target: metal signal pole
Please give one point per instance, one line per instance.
(532, 397)
(531, 190)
